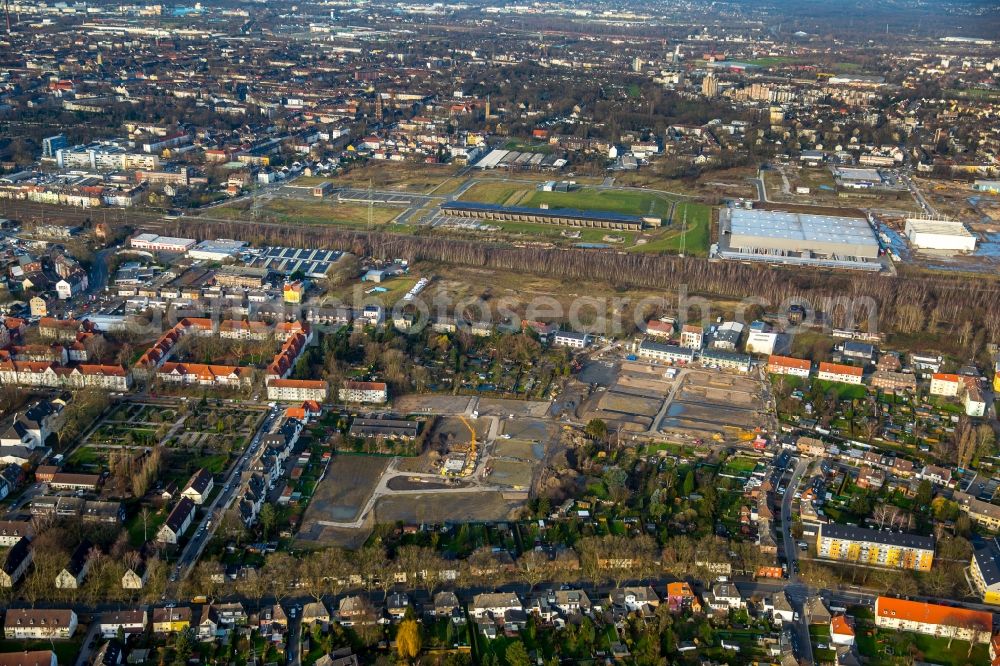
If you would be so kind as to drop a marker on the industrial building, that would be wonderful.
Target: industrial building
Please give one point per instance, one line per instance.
(939, 235)
(567, 217)
(312, 263)
(797, 238)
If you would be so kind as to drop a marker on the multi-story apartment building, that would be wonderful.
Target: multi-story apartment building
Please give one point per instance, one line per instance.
(786, 365)
(39, 624)
(375, 392)
(837, 372)
(296, 390)
(875, 548)
(984, 572)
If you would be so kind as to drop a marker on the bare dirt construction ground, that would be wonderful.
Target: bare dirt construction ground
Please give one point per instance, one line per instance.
(711, 403)
(349, 483)
(459, 507)
(504, 408)
(431, 404)
(634, 396)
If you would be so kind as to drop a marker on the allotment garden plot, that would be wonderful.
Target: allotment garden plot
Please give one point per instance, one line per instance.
(194, 434)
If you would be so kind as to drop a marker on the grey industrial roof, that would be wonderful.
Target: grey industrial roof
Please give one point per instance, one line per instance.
(810, 231)
(573, 213)
(850, 533)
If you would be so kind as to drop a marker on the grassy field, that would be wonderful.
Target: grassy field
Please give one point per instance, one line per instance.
(698, 237)
(494, 192)
(384, 175)
(616, 201)
(300, 211)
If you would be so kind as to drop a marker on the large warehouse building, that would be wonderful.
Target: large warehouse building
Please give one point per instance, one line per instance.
(797, 238)
(569, 217)
(939, 235)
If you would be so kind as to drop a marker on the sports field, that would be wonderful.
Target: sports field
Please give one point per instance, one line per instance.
(626, 202)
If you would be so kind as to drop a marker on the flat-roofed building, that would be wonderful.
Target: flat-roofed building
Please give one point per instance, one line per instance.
(875, 548)
(666, 353)
(797, 238)
(157, 243)
(933, 619)
(569, 217)
(729, 360)
(939, 235)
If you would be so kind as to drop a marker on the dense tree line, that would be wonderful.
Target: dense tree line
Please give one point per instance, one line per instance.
(906, 304)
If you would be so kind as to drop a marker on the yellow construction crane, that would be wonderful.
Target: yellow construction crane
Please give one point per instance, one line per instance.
(472, 446)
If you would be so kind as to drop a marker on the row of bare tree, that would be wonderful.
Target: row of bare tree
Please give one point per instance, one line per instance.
(905, 304)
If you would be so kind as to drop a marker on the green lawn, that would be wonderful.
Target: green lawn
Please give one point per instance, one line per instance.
(135, 529)
(696, 240)
(491, 192)
(213, 463)
(625, 202)
(876, 646)
(844, 391)
(66, 651)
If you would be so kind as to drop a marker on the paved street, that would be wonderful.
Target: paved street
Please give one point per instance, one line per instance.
(214, 512)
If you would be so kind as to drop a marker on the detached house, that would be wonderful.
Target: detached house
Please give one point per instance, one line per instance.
(177, 522)
(15, 563)
(199, 486)
(128, 621)
(75, 571)
(171, 620)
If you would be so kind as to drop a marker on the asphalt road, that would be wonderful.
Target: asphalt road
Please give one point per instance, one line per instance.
(213, 513)
(797, 590)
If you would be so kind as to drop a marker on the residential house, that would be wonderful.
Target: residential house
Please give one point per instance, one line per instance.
(680, 597)
(837, 372)
(171, 620)
(445, 604)
(815, 610)
(128, 621)
(177, 523)
(29, 658)
(135, 576)
(316, 612)
(692, 337)
(841, 631)
(353, 611)
(494, 604)
(933, 619)
(199, 486)
(396, 605)
(724, 597)
(947, 385)
(12, 531)
(364, 392)
(15, 563)
(786, 365)
(75, 571)
(632, 599)
(39, 624)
